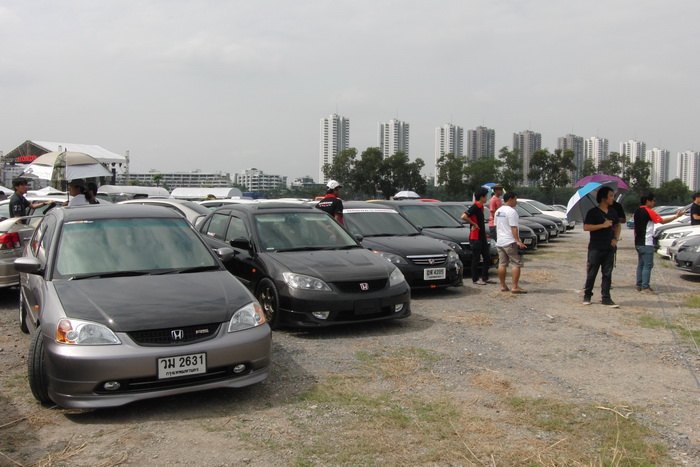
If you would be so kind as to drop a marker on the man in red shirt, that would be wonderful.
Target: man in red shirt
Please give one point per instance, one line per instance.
(494, 203)
(331, 203)
(478, 243)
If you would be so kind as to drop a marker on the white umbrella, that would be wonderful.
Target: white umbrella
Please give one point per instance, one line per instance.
(65, 166)
(406, 195)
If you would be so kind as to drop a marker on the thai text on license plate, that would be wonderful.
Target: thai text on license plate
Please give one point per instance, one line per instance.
(182, 365)
(434, 273)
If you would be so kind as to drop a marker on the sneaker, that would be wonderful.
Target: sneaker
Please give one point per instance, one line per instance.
(586, 300)
(480, 282)
(609, 303)
(648, 290)
(639, 288)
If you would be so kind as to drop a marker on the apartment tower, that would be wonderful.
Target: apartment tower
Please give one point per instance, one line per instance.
(526, 143)
(659, 159)
(481, 142)
(575, 144)
(335, 138)
(449, 138)
(596, 149)
(688, 169)
(392, 137)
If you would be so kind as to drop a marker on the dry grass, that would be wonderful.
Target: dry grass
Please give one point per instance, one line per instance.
(470, 319)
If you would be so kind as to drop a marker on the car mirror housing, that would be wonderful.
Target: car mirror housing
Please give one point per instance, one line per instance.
(29, 265)
(358, 237)
(225, 253)
(241, 243)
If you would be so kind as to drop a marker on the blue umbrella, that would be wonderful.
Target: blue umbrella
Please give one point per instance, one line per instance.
(582, 201)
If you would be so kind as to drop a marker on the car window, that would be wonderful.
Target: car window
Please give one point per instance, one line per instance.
(236, 229)
(307, 230)
(217, 226)
(5, 210)
(125, 245)
(428, 216)
(368, 222)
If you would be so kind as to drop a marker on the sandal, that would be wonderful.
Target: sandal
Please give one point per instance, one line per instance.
(505, 290)
(518, 291)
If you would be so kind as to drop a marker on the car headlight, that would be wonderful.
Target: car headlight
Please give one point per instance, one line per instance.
(303, 282)
(452, 256)
(247, 317)
(392, 258)
(455, 246)
(396, 277)
(79, 332)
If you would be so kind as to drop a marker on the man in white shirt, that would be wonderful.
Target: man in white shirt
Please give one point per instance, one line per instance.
(76, 188)
(508, 243)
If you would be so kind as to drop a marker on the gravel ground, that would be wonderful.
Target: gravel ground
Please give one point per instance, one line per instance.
(446, 386)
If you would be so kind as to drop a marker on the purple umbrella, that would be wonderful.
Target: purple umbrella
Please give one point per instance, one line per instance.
(608, 180)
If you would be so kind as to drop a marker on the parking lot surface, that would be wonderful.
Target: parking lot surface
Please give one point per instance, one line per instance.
(474, 377)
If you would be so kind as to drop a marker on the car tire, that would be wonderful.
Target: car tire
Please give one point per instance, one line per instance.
(36, 368)
(22, 316)
(269, 301)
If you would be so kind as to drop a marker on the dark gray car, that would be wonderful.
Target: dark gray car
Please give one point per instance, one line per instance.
(126, 303)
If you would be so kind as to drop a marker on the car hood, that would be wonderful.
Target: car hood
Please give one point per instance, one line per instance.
(333, 265)
(406, 245)
(455, 234)
(152, 302)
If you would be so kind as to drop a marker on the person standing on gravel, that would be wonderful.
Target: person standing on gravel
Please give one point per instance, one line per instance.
(644, 220)
(508, 243)
(601, 222)
(478, 243)
(494, 203)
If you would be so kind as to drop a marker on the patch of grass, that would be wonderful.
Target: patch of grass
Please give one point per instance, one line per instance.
(399, 363)
(684, 331)
(692, 301)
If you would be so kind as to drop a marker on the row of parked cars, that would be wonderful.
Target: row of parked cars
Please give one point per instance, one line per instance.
(154, 296)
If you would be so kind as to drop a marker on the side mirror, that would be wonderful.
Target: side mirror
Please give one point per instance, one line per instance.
(358, 237)
(29, 265)
(241, 243)
(225, 253)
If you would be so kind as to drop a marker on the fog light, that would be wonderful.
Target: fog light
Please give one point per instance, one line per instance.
(240, 368)
(111, 385)
(398, 307)
(321, 314)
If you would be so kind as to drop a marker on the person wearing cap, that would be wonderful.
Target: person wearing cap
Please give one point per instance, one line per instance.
(76, 188)
(494, 203)
(331, 203)
(19, 205)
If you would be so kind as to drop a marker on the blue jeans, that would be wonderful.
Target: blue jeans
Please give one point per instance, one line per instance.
(645, 261)
(603, 260)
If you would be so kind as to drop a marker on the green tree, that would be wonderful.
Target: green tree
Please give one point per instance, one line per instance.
(397, 173)
(512, 169)
(341, 169)
(450, 174)
(157, 178)
(480, 171)
(366, 176)
(588, 168)
(550, 171)
(637, 176)
(614, 165)
(672, 192)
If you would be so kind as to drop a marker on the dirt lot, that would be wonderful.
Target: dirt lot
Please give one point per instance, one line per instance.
(474, 377)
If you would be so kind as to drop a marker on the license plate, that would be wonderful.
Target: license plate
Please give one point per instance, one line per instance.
(182, 365)
(543, 237)
(434, 273)
(367, 307)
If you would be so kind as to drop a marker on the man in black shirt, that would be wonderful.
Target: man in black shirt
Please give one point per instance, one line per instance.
(19, 205)
(601, 222)
(331, 203)
(478, 243)
(695, 210)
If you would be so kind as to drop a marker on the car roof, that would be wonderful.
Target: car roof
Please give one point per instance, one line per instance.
(400, 202)
(366, 205)
(270, 207)
(114, 211)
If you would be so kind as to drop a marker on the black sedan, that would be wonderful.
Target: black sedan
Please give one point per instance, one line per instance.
(551, 226)
(688, 257)
(425, 262)
(304, 268)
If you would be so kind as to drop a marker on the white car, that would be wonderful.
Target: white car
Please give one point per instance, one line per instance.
(549, 211)
(668, 236)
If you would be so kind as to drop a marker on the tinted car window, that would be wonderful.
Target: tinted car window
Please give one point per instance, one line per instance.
(368, 223)
(426, 216)
(287, 231)
(236, 229)
(217, 226)
(122, 245)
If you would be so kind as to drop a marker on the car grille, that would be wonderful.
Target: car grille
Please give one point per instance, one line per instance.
(154, 384)
(175, 336)
(428, 260)
(355, 286)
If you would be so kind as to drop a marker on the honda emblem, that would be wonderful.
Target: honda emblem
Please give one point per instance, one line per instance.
(364, 286)
(177, 334)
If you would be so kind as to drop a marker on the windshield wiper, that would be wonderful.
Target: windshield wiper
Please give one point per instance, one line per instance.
(302, 248)
(109, 274)
(210, 267)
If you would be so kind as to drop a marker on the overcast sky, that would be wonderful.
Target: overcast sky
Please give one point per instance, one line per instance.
(226, 85)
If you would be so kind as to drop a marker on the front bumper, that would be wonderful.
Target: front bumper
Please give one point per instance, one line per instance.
(415, 276)
(77, 374)
(688, 262)
(8, 275)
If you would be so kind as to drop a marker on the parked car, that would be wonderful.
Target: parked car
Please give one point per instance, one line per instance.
(668, 236)
(193, 212)
(550, 225)
(213, 204)
(688, 256)
(127, 303)
(304, 268)
(550, 211)
(457, 208)
(562, 224)
(432, 221)
(424, 261)
(663, 211)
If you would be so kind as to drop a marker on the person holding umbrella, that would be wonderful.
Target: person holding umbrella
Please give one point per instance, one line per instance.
(601, 222)
(19, 205)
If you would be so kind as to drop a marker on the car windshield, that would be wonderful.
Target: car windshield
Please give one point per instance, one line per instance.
(529, 208)
(454, 210)
(540, 206)
(522, 212)
(196, 207)
(428, 216)
(312, 230)
(377, 222)
(126, 246)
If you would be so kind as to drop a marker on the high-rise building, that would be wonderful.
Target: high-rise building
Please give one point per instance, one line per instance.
(575, 144)
(481, 142)
(449, 139)
(688, 169)
(659, 159)
(393, 137)
(335, 138)
(526, 143)
(256, 180)
(635, 150)
(596, 149)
